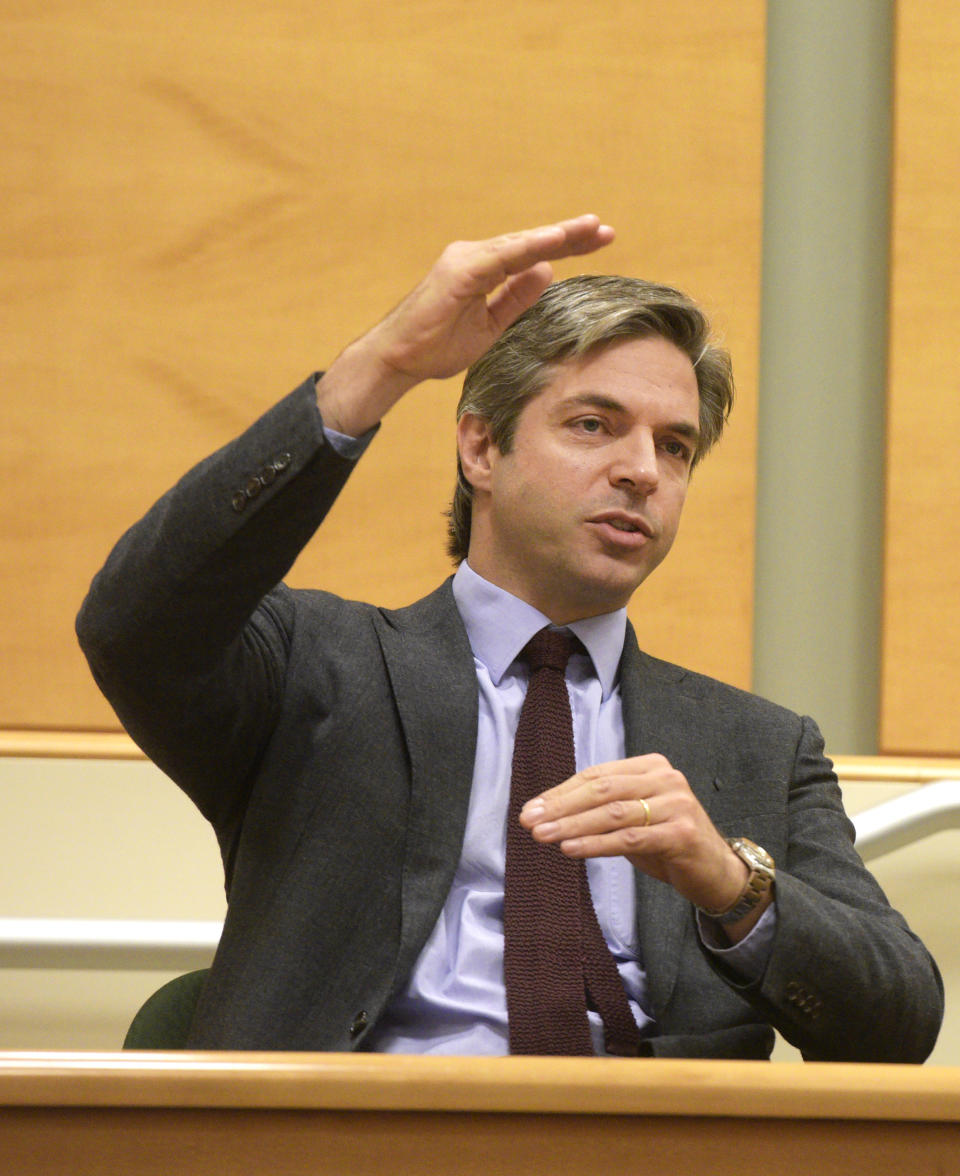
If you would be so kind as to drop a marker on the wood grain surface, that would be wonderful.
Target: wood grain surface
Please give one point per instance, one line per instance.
(203, 204)
(921, 595)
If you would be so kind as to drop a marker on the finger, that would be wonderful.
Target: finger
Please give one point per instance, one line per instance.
(585, 234)
(580, 234)
(633, 766)
(519, 293)
(640, 776)
(630, 842)
(576, 796)
(485, 264)
(608, 818)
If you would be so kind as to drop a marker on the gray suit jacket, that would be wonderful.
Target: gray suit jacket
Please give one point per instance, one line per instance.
(331, 744)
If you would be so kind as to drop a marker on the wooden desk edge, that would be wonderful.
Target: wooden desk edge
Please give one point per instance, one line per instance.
(377, 1082)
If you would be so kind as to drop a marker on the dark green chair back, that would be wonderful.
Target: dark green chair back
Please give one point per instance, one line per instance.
(165, 1018)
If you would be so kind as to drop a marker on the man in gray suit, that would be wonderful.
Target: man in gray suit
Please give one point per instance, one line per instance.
(355, 762)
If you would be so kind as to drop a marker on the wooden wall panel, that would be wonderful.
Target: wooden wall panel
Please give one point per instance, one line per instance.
(203, 203)
(921, 632)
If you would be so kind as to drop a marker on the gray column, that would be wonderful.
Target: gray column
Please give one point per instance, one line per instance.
(823, 363)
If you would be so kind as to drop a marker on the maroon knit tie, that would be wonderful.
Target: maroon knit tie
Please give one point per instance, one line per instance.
(554, 951)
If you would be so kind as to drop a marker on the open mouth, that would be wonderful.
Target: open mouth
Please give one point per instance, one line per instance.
(622, 532)
(624, 524)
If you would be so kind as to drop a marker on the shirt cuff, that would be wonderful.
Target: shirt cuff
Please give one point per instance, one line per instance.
(342, 443)
(350, 447)
(749, 957)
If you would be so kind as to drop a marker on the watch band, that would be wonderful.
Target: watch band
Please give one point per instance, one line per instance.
(758, 885)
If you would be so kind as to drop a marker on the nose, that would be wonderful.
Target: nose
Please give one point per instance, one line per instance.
(634, 465)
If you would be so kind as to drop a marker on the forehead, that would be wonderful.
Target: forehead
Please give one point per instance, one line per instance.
(635, 373)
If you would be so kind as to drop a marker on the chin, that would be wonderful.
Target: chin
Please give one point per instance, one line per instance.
(619, 581)
(592, 597)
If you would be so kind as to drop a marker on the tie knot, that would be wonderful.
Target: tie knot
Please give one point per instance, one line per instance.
(549, 648)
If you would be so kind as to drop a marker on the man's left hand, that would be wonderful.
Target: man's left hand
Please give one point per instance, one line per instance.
(644, 809)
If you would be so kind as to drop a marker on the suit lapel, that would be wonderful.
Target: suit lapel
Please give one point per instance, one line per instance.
(431, 672)
(663, 713)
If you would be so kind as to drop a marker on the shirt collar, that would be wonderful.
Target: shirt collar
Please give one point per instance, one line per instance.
(499, 625)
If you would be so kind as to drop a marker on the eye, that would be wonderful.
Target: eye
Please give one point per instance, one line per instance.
(676, 449)
(591, 425)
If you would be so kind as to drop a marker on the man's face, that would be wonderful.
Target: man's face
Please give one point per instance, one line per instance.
(587, 502)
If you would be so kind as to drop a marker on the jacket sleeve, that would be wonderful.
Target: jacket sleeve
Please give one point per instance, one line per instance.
(847, 980)
(187, 627)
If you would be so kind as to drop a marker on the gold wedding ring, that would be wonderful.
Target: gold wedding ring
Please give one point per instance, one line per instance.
(646, 813)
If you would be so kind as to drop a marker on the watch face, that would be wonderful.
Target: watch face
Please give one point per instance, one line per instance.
(752, 853)
(759, 882)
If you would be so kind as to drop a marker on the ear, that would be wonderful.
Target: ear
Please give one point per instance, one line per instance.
(477, 450)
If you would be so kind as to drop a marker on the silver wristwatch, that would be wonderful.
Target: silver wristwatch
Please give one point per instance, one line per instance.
(759, 883)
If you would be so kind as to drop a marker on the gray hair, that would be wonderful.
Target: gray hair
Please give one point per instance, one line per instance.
(570, 320)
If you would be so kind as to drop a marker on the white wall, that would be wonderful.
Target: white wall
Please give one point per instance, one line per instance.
(95, 839)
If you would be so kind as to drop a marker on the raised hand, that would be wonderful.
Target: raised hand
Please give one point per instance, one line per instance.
(473, 292)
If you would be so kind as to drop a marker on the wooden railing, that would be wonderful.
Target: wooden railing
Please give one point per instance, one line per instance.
(89, 1114)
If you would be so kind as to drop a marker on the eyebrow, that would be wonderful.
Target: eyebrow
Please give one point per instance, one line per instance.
(602, 400)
